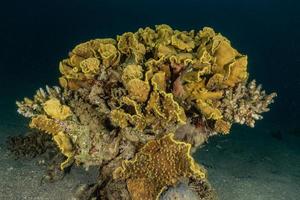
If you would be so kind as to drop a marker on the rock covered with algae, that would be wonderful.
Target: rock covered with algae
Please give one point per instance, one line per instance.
(142, 103)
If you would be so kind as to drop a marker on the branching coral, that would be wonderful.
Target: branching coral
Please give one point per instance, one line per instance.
(30, 108)
(121, 97)
(244, 104)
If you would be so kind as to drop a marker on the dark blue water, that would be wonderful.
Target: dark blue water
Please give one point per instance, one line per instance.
(36, 35)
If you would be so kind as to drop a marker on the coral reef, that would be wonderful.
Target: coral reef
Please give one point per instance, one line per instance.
(139, 105)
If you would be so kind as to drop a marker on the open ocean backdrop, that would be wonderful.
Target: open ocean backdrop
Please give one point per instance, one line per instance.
(36, 35)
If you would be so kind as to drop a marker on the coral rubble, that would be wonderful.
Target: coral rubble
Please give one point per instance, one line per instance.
(30, 145)
(137, 106)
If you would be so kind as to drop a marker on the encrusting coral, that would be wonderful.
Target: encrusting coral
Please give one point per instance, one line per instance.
(158, 164)
(137, 106)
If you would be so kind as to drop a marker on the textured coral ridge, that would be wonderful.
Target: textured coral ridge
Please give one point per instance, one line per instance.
(118, 95)
(160, 163)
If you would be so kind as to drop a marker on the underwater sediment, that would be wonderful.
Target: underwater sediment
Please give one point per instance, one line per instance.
(139, 105)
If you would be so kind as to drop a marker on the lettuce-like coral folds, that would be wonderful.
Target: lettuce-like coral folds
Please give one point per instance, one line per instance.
(119, 97)
(160, 163)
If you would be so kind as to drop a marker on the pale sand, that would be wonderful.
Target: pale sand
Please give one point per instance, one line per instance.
(251, 165)
(247, 165)
(21, 179)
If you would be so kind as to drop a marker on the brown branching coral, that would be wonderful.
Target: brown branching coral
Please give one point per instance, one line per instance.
(244, 104)
(30, 108)
(121, 97)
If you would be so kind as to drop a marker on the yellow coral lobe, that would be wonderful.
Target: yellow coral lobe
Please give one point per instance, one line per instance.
(132, 72)
(159, 81)
(140, 189)
(165, 51)
(43, 123)
(63, 82)
(173, 109)
(164, 33)
(204, 56)
(181, 58)
(65, 145)
(90, 65)
(64, 68)
(215, 81)
(154, 105)
(207, 95)
(224, 53)
(208, 110)
(138, 90)
(182, 41)
(128, 44)
(236, 72)
(160, 163)
(110, 54)
(83, 50)
(56, 110)
(129, 102)
(119, 118)
(164, 106)
(149, 36)
(75, 60)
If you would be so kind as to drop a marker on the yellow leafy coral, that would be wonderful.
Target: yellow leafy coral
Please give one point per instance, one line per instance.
(65, 145)
(109, 54)
(90, 65)
(132, 72)
(192, 68)
(54, 109)
(138, 90)
(182, 41)
(130, 91)
(128, 44)
(50, 126)
(86, 60)
(160, 163)
(42, 122)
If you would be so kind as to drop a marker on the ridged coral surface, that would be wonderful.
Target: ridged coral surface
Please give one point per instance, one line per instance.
(159, 164)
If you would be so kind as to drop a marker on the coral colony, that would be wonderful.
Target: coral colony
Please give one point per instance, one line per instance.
(137, 106)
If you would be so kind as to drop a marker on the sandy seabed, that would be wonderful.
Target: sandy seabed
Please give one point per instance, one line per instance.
(249, 164)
